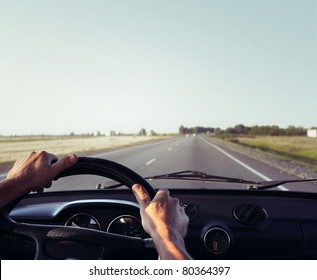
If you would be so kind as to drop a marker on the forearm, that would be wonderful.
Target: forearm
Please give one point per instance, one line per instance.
(9, 190)
(171, 248)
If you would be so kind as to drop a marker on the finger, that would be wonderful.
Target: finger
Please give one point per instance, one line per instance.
(164, 191)
(63, 163)
(141, 195)
(48, 185)
(50, 157)
(41, 190)
(162, 195)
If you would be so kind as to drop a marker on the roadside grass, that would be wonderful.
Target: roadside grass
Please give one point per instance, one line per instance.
(12, 148)
(298, 148)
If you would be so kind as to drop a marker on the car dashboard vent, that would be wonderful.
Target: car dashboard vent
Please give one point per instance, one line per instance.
(250, 215)
(190, 210)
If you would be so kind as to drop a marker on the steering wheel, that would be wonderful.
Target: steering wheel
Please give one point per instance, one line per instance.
(60, 242)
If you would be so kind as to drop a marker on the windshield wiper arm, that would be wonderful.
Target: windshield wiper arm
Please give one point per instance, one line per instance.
(200, 176)
(189, 175)
(275, 183)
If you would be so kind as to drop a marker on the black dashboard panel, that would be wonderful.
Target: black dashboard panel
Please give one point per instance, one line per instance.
(223, 224)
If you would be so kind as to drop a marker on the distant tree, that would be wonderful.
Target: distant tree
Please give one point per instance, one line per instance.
(230, 130)
(142, 132)
(254, 130)
(295, 131)
(274, 131)
(181, 129)
(202, 129)
(218, 131)
(241, 129)
(197, 130)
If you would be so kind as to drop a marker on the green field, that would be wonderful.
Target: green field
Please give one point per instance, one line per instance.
(299, 148)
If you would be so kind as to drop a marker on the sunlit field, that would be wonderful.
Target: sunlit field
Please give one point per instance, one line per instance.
(12, 148)
(297, 147)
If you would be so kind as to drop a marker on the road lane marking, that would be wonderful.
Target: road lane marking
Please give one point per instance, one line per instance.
(169, 149)
(150, 161)
(124, 149)
(282, 188)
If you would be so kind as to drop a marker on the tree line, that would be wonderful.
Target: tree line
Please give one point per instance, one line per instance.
(195, 130)
(240, 129)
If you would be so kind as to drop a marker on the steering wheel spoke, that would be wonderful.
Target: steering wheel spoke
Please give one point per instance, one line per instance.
(59, 242)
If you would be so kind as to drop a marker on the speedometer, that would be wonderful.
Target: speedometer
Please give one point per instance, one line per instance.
(126, 225)
(83, 220)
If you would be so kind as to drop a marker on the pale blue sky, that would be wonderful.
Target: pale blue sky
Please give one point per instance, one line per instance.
(93, 65)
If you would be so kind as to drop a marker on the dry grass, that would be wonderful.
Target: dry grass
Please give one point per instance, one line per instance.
(12, 148)
(300, 147)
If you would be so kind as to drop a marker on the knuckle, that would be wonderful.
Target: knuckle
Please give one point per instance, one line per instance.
(175, 201)
(143, 196)
(163, 193)
(33, 153)
(42, 153)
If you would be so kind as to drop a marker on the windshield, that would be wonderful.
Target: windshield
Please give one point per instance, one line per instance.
(175, 160)
(227, 88)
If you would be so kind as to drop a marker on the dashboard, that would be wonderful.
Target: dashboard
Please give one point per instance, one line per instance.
(223, 224)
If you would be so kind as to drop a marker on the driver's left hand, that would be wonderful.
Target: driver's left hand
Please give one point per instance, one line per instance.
(37, 170)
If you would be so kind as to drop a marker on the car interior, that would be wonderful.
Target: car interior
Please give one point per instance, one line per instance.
(105, 223)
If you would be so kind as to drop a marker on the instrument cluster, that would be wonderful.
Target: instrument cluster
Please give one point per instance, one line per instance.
(127, 225)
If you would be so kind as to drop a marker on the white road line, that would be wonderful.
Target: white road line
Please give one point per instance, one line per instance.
(169, 149)
(150, 161)
(245, 165)
(124, 149)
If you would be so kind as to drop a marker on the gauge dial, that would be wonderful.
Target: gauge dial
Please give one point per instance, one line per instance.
(217, 240)
(83, 220)
(126, 225)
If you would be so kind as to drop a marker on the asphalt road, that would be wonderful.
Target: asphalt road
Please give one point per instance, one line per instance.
(184, 153)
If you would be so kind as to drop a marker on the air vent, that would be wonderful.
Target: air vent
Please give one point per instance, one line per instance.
(190, 210)
(250, 215)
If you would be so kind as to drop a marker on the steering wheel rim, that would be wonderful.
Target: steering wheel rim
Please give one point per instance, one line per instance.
(47, 237)
(109, 169)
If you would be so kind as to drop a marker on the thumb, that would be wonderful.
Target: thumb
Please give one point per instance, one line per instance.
(63, 163)
(141, 195)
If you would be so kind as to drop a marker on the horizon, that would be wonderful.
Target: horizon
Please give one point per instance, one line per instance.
(148, 132)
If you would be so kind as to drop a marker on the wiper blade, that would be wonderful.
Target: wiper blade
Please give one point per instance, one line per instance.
(275, 183)
(103, 187)
(199, 176)
(188, 176)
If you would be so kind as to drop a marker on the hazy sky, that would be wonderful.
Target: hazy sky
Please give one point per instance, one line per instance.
(82, 66)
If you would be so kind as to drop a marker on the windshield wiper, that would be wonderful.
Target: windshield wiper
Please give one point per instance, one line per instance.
(262, 185)
(188, 176)
(201, 176)
(198, 176)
